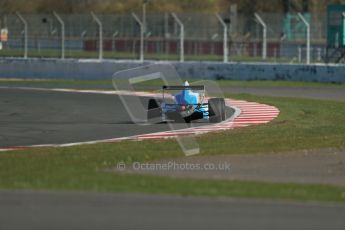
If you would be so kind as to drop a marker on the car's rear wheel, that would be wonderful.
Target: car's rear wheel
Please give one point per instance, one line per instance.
(153, 110)
(216, 107)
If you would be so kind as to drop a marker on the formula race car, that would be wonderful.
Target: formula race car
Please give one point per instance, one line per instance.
(187, 104)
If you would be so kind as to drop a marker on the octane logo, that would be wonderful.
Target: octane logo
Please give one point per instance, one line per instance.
(125, 81)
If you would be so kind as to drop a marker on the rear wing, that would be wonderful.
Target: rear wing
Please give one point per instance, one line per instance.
(177, 87)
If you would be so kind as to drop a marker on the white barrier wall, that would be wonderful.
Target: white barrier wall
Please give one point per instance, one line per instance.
(94, 69)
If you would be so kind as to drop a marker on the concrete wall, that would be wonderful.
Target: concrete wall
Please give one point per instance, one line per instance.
(94, 69)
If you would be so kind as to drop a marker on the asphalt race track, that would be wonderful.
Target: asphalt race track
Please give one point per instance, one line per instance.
(320, 93)
(53, 210)
(34, 117)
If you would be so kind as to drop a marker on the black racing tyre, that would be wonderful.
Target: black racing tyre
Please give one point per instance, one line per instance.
(153, 110)
(216, 109)
(223, 110)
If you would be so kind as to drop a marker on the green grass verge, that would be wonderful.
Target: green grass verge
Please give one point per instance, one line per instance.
(278, 84)
(128, 55)
(158, 83)
(302, 124)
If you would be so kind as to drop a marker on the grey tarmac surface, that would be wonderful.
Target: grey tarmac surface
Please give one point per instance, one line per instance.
(320, 93)
(34, 117)
(66, 210)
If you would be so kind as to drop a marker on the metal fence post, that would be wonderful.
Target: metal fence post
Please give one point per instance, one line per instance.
(179, 22)
(144, 15)
(307, 25)
(25, 34)
(343, 42)
(299, 54)
(141, 36)
(225, 39)
(114, 35)
(100, 27)
(264, 35)
(62, 34)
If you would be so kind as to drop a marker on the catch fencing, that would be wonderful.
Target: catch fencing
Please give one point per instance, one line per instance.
(260, 37)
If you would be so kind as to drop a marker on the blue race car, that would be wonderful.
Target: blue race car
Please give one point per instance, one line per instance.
(187, 105)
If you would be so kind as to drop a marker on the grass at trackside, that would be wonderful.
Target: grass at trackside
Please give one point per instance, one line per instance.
(222, 83)
(128, 55)
(302, 124)
(278, 84)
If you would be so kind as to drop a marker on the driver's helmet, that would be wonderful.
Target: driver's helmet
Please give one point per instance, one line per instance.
(187, 96)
